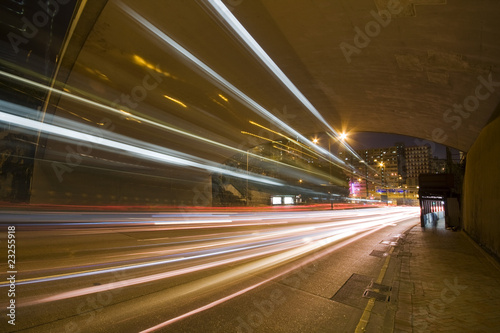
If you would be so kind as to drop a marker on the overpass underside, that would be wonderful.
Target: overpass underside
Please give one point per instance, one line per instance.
(121, 103)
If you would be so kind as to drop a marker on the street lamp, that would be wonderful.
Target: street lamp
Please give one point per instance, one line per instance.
(341, 137)
(381, 164)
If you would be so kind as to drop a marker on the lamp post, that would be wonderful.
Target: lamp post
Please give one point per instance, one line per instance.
(342, 137)
(382, 178)
(316, 141)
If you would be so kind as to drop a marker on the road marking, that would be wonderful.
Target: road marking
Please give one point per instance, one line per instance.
(365, 317)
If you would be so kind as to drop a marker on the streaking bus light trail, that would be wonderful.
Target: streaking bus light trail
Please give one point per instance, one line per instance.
(115, 145)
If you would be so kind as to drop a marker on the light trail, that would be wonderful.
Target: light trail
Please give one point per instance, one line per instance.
(284, 239)
(224, 14)
(153, 123)
(268, 280)
(185, 253)
(123, 147)
(157, 265)
(222, 82)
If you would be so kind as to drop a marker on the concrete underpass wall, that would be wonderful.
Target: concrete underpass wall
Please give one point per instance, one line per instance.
(481, 198)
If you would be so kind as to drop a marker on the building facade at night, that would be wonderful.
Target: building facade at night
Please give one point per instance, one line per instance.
(418, 161)
(390, 171)
(380, 172)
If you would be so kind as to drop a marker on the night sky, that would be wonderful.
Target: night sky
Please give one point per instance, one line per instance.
(363, 140)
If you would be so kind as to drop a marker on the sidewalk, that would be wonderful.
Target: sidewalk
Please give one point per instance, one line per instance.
(446, 283)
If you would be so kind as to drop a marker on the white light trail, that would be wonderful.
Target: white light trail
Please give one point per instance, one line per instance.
(226, 85)
(325, 252)
(247, 40)
(144, 120)
(150, 278)
(115, 145)
(283, 244)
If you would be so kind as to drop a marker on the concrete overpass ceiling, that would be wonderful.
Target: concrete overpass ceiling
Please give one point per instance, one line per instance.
(401, 78)
(368, 66)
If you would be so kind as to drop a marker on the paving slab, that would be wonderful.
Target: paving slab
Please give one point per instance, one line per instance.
(447, 283)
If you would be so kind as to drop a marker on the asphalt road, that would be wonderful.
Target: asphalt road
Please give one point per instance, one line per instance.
(302, 271)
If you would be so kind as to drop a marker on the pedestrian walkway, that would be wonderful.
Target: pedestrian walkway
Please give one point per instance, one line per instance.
(446, 283)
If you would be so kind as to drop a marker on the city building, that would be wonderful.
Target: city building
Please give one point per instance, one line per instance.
(389, 172)
(418, 160)
(379, 173)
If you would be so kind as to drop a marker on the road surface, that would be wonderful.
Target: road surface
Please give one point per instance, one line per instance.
(302, 271)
